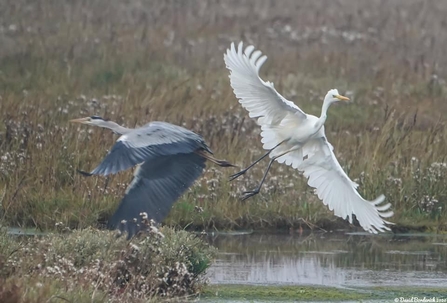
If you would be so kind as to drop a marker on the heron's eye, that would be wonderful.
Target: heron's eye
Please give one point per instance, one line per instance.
(334, 96)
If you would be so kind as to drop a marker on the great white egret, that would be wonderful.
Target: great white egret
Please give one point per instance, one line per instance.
(298, 139)
(169, 158)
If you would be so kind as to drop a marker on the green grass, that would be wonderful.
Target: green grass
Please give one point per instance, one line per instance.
(314, 293)
(164, 62)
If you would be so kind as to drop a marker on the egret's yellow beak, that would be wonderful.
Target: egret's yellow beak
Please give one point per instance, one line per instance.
(342, 98)
(80, 120)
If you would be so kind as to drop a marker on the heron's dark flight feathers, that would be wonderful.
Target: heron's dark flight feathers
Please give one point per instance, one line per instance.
(155, 188)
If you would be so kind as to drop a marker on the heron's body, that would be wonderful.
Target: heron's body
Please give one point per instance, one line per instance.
(298, 139)
(169, 158)
(146, 143)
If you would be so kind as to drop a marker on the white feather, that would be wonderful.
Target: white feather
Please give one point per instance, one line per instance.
(258, 97)
(303, 135)
(337, 191)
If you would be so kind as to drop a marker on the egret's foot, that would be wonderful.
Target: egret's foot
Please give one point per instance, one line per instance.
(238, 174)
(248, 194)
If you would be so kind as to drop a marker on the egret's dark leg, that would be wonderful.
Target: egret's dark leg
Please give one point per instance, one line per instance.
(251, 193)
(238, 174)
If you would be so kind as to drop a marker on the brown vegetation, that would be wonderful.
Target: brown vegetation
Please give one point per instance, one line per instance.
(138, 61)
(96, 266)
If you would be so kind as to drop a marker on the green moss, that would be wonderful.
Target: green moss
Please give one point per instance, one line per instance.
(315, 293)
(282, 293)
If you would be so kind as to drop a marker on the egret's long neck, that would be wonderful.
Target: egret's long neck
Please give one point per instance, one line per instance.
(115, 127)
(323, 115)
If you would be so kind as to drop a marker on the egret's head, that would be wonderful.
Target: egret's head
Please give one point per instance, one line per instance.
(93, 120)
(334, 96)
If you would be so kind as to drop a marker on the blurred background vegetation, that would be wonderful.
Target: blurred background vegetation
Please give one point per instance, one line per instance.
(138, 61)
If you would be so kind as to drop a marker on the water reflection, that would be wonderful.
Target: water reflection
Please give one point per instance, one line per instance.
(341, 260)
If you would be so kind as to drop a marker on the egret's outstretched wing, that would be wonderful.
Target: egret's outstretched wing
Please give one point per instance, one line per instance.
(337, 191)
(156, 186)
(258, 97)
(146, 144)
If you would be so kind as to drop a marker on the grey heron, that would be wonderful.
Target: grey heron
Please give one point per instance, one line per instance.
(297, 139)
(169, 158)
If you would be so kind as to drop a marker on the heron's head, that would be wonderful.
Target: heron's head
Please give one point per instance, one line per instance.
(93, 120)
(334, 96)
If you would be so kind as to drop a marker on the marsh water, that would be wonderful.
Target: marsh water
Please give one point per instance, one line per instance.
(340, 260)
(346, 261)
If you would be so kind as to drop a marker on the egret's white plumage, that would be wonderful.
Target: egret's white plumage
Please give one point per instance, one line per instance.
(298, 139)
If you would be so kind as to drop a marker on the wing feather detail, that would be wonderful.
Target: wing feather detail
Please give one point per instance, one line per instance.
(154, 189)
(337, 191)
(147, 143)
(260, 98)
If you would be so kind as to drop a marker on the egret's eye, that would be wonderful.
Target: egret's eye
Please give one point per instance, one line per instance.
(334, 96)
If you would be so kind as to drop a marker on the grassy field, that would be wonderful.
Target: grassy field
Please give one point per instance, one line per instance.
(318, 294)
(138, 61)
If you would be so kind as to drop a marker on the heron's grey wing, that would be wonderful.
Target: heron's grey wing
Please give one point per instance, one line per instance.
(147, 143)
(156, 186)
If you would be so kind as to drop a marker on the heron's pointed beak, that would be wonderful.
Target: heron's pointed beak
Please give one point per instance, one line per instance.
(342, 98)
(80, 120)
